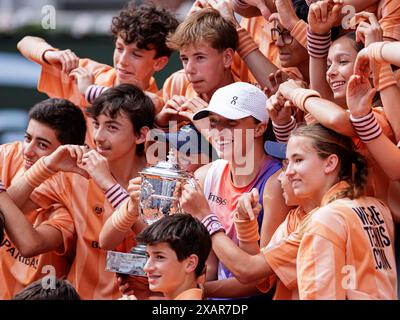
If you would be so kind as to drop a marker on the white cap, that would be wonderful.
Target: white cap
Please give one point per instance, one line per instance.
(236, 101)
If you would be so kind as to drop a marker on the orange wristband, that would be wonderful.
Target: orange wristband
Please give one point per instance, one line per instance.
(375, 51)
(246, 230)
(300, 95)
(123, 220)
(299, 32)
(386, 77)
(246, 43)
(38, 173)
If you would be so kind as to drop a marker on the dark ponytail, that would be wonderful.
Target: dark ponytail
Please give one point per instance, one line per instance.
(360, 174)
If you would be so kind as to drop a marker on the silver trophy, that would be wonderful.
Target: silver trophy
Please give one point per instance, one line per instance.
(131, 263)
(159, 192)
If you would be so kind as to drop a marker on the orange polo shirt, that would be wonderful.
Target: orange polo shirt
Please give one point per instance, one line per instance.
(89, 210)
(16, 271)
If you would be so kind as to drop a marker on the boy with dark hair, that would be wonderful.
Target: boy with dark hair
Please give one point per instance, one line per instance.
(155, 24)
(63, 117)
(178, 247)
(62, 290)
(140, 51)
(118, 136)
(137, 107)
(52, 122)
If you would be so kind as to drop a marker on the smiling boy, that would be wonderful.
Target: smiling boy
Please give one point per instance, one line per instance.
(121, 117)
(178, 247)
(52, 122)
(140, 51)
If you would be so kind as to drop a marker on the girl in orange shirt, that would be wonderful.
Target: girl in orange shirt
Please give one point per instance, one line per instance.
(333, 249)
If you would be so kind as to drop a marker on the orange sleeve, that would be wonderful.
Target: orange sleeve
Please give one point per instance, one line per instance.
(279, 235)
(52, 81)
(389, 14)
(175, 85)
(57, 84)
(10, 161)
(61, 220)
(383, 122)
(266, 284)
(386, 77)
(246, 43)
(50, 192)
(282, 259)
(299, 32)
(51, 195)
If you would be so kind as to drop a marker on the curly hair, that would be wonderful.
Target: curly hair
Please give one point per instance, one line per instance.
(147, 25)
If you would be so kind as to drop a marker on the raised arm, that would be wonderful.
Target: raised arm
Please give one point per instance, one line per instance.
(253, 8)
(39, 51)
(370, 32)
(124, 219)
(382, 149)
(65, 159)
(321, 19)
(258, 64)
(324, 111)
(380, 52)
(245, 267)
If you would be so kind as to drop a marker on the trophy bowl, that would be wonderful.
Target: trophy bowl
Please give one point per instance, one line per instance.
(159, 189)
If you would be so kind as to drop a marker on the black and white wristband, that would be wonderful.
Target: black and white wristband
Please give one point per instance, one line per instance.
(93, 91)
(367, 127)
(116, 195)
(318, 45)
(212, 224)
(282, 132)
